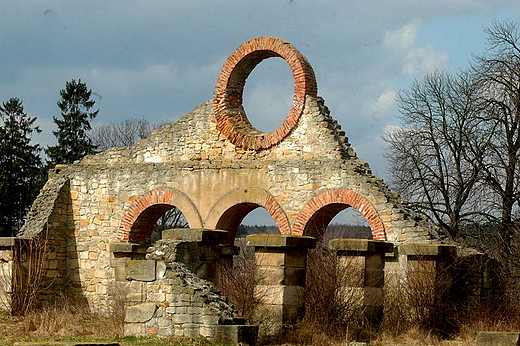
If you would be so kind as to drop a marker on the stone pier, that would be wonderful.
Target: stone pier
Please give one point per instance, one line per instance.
(363, 262)
(281, 262)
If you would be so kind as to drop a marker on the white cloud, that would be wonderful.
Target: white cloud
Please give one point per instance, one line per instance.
(415, 60)
(425, 59)
(384, 103)
(402, 38)
(390, 129)
(382, 106)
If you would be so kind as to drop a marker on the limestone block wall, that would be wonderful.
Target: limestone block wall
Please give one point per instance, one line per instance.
(190, 165)
(215, 169)
(177, 302)
(169, 294)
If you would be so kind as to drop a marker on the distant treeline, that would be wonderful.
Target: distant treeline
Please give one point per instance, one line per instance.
(333, 231)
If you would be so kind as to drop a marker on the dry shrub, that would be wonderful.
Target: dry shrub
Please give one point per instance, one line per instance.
(498, 305)
(470, 294)
(333, 305)
(421, 299)
(116, 319)
(237, 281)
(28, 279)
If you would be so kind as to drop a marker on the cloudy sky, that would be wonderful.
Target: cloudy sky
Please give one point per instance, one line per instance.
(158, 59)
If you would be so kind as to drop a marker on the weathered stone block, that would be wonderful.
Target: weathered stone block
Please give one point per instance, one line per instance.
(291, 258)
(276, 294)
(374, 277)
(140, 270)
(236, 334)
(7, 242)
(281, 275)
(164, 331)
(270, 275)
(373, 296)
(160, 270)
(228, 250)
(360, 245)
(428, 250)
(127, 248)
(196, 235)
(131, 329)
(140, 313)
(281, 240)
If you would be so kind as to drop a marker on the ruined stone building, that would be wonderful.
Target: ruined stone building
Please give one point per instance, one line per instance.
(98, 213)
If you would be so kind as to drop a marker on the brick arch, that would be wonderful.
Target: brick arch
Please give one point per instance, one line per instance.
(158, 201)
(231, 208)
(227, 102)
(336, 199)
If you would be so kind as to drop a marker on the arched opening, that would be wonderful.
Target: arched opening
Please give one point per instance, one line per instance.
(318, 212)
(238, 278)
(246, 218)
(144, 212)
(258, 221)
(337, 220)
(153, 220)
(348, 223)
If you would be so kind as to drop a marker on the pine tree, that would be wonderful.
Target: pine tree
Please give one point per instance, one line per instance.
(72, 134)
(20, 165)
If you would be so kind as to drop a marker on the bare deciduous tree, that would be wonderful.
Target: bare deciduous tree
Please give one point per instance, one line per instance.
(122, 134)
(498, 74)
(428, 156)
(456, 155)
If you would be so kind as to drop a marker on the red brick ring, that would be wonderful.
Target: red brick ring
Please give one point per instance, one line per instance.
(231, 119)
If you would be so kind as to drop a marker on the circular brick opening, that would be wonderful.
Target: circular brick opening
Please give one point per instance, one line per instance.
(227, 102)
(268, 94)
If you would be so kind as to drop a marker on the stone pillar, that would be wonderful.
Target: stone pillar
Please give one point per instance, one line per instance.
(363, 262)
(429, 276)
(7, 245)
(280, 278)
(430, 261)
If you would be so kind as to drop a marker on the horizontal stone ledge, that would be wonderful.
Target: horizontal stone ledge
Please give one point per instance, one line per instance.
(120, 247)
(7, 241)
(281, 240)
(419, 249)
(360, 245)
(196, 235)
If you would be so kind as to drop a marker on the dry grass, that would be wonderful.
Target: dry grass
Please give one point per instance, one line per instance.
(68, 323)
(60, 320)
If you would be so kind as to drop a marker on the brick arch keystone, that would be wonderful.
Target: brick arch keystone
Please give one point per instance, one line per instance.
(227, 102)
(248, 195)
(157, 197)
(342, 196)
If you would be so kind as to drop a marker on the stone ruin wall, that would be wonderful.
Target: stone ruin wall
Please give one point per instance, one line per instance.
(215, 175)
(194, 165)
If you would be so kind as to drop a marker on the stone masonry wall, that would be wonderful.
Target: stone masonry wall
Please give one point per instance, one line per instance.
(215, 179)
(171, 300)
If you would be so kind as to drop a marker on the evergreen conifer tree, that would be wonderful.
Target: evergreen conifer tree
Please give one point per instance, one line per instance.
(72, 134)
(20, 165)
